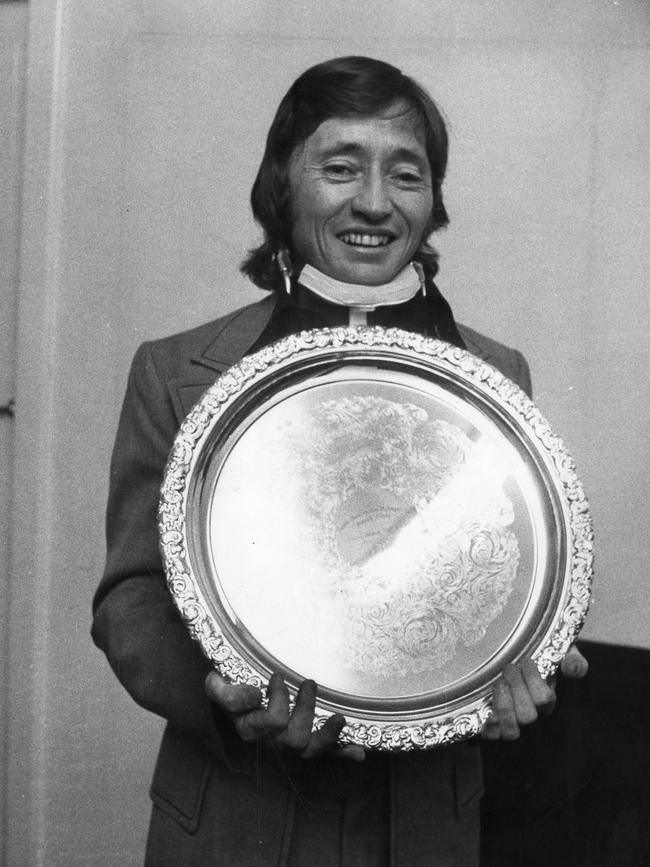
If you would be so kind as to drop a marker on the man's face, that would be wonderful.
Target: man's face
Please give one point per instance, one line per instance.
(361, 197)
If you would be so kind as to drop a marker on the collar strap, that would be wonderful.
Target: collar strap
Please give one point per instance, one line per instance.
(401, 288)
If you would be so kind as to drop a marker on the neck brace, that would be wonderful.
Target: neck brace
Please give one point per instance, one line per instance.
(401, 288)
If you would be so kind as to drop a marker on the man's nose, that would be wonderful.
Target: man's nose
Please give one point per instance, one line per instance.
(372, 199)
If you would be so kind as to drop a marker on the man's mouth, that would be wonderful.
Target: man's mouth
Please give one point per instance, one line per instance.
(357, 239)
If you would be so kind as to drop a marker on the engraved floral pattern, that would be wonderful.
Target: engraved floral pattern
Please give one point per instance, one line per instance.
(419, 557)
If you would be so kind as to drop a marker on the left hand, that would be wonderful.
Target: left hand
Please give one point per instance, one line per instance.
(288, 729)
(521, 694)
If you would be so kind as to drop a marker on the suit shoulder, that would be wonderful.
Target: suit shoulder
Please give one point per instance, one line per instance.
(481, 345)
(201, 335)
(509, 361)
(172, 354)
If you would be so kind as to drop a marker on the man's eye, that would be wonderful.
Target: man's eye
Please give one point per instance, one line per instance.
(408, 177)
(339, 170)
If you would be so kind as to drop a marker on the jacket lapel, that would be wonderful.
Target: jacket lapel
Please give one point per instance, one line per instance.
(186, 395)
(237, 334)
(229, 342)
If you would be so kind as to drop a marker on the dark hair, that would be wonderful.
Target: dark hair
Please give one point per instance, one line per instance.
(343, 87)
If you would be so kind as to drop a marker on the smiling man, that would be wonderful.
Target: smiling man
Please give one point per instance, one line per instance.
(348, 193)
(362, 197)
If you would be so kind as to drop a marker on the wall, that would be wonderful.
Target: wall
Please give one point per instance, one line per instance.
(13, 28)
(145, 123)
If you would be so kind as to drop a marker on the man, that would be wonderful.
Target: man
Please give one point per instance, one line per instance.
(348, 194)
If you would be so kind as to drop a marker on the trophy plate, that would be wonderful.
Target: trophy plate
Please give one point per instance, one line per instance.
(384, 513)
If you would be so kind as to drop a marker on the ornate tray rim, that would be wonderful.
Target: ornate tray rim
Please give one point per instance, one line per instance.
(433, 730)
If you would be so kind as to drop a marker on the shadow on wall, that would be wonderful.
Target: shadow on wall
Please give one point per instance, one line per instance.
(575, 789)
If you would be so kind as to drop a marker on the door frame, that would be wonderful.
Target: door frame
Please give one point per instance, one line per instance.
(31, 562)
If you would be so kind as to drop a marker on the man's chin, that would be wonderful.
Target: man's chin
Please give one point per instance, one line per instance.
(366, 274)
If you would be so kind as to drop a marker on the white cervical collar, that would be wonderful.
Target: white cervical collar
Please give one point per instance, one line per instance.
(401, 288)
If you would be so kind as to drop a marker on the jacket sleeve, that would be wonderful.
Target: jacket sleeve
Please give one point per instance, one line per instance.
(135, 621)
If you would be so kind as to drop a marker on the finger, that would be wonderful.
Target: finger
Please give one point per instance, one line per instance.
(233, 698)
(524, 707)
(270, 722)
(299, 730)
(574, 664)
(278, 700)
(352, 752)
(541, 692)
(325, 739)
(491, 731)
(504, 710)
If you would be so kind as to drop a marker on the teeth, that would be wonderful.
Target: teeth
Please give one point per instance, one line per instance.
(365, 240)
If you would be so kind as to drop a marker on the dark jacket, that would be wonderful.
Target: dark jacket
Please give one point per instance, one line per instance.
(214, 794)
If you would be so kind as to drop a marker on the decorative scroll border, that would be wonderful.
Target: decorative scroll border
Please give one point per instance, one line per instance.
(434, 729)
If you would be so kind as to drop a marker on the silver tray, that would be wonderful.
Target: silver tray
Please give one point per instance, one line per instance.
(383, 513)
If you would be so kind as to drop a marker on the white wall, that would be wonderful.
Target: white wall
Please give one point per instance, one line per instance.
(13, 27)
(145, 124)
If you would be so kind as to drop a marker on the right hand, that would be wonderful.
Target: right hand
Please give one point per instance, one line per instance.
(275, 723)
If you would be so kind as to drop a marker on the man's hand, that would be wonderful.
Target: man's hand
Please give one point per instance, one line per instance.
(521, 695)
(275, 723)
